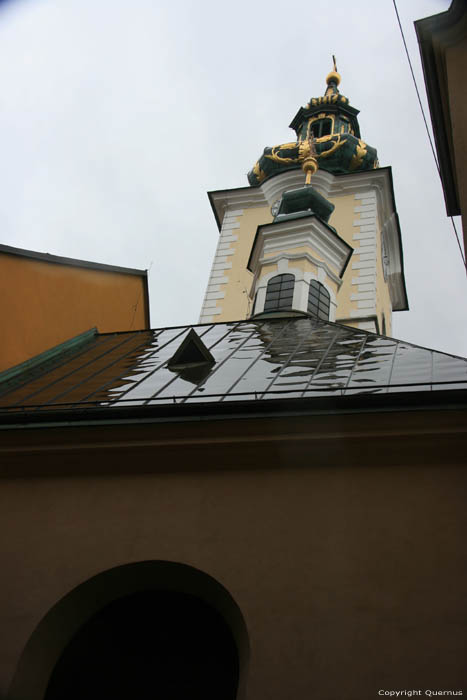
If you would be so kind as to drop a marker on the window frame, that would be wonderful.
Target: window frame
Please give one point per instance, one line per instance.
(320, 308)
(279, 293)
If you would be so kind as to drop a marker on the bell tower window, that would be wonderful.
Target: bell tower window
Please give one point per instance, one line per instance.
(323, 127)
(318, 301)
(279, 293)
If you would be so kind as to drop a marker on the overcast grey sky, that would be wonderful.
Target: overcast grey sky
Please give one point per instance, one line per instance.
(117, 117)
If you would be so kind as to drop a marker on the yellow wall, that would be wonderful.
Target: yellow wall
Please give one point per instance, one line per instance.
(237, 303)
(44, 304)
(342, 219)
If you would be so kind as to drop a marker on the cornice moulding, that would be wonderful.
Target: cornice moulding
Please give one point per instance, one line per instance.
(301, 256)
(309, 232)
(326, 184)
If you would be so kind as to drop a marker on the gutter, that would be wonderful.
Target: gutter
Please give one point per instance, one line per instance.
(427, 401)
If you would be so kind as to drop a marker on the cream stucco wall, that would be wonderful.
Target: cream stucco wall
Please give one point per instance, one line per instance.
(364, 294)
(362, 298)
(342, 220)
(235, 302)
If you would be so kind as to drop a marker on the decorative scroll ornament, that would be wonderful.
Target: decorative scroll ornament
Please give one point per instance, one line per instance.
(335, 153)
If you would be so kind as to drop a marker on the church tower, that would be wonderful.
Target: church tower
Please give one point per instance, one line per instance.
(315, 232)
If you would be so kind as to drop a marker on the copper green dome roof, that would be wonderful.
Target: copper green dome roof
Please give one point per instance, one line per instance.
(331, 123)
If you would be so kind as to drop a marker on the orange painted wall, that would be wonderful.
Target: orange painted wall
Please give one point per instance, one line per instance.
(44, 304)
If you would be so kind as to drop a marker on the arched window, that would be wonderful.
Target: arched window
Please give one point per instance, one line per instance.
(279, 293)
(318, 301)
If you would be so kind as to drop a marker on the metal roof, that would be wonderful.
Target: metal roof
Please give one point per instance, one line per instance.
(258, 360)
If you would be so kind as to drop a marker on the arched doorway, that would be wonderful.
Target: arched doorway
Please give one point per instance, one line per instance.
(145, 630)
(153, 644)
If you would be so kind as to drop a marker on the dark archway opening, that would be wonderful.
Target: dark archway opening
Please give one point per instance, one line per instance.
(149, 645)
(323, 127)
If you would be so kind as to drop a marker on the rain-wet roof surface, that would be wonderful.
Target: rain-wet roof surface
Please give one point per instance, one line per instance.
(259, 360)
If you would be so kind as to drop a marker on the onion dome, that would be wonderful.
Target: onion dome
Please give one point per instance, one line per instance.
(330, 122)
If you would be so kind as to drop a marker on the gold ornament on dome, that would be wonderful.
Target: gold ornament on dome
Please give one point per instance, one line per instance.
(260, 174)
(281, 159)
(358, 156)
(326, 99)
(338, 143)
(304, 150)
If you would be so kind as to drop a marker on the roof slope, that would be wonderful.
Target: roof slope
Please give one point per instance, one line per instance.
(255, 360)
